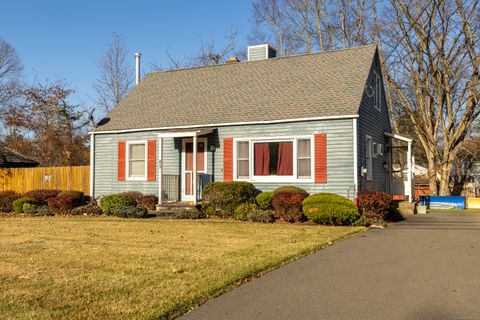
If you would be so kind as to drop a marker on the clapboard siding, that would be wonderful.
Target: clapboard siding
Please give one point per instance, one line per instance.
(339, 151)
(374, 123)
(339, 155)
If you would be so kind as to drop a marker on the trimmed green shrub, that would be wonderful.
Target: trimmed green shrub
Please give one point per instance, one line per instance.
(328, 197)
(131, 212)
(375, 204)
(17, 205)
(73, 193)
(242, 211)
(288, 204)
(64, 203)
(30, 208)
(110, 203)
(264, 216)
(289, 188)
(41, 196)
(132, 196)
(264, 200)
(6, 200)
(149, 202)
(331, 213)
(189, 214)
(36, 209)
(222, 198)
(87, 210)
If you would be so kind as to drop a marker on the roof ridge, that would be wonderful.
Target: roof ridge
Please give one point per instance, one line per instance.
(263, 60)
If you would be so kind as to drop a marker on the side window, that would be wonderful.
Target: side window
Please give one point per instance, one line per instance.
(378, 92)
(369, 157)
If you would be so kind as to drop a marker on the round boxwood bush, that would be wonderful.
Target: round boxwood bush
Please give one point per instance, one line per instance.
(73, 193)
(17, 205)
(130, 212)
(330, 210)
(264, 200)
(288, 204)
(242, 211)
(289, 189)
(265, 216)
(110, 203)
(6, 200)
(41, 196)
(222, 198)
(328, 197)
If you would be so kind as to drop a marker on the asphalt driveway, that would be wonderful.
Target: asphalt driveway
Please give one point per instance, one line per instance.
(427, 267)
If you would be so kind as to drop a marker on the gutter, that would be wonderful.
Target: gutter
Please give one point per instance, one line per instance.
(228, 124)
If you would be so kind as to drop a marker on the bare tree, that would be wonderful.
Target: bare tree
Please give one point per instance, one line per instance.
(115, 76)
(209, 53)
(435, 78)
(430, 60)
(10, 71)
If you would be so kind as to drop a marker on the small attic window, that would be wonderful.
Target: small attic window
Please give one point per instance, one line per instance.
(377, 103)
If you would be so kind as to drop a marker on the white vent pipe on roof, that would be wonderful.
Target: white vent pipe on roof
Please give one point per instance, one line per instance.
(137, 67)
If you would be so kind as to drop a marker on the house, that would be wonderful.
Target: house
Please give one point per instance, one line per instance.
(12, 159)
(318, 121)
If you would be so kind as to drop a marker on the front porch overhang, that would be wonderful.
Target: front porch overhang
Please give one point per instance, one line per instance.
(180, 133)
(185, 133)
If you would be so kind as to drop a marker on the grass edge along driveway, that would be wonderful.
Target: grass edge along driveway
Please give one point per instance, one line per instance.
(112, 268)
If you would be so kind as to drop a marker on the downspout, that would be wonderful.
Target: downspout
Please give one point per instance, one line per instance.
(355, 162)
(92, 167)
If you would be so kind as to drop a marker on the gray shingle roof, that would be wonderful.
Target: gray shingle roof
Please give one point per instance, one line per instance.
(297, 87)
(12, 159)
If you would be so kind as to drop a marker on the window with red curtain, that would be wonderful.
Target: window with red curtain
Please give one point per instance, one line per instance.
(273, 158)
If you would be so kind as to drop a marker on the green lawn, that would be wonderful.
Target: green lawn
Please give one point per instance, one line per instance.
(112, 268)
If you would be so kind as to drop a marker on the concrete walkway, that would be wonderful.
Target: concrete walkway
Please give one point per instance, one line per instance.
(427, 267)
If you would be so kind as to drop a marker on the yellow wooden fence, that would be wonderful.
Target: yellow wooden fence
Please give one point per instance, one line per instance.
(59, 178)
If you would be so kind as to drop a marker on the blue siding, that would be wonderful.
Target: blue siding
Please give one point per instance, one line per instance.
(339, 155)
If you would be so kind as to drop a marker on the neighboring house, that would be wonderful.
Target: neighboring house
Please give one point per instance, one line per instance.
(317, 121)
(12, 159)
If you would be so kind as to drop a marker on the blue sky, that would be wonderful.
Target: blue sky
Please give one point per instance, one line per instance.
(65, 39)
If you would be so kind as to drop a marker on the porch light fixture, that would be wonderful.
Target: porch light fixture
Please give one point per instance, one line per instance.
(213, 147)
(385, 165)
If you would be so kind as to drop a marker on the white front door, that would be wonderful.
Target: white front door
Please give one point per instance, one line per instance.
(187, 165)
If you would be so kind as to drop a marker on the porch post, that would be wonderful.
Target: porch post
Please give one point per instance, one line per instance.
(409, 167)
(194, 174)
(160, 170)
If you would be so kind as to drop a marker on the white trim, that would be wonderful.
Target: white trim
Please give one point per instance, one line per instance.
(355, 157)
(229, 124)
(127, 162)
(182, 169)
(183, 134)
(279, 179)
(160, 170)
(92, 167)
(397, 136)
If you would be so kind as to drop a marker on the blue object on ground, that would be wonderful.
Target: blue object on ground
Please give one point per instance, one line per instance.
(443, 202)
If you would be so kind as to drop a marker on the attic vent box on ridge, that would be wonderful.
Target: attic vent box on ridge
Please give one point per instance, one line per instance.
(261, 52)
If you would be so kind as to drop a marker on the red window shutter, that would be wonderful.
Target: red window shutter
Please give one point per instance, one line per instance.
(121, 160)
(152, 160)
(227, 159)
(320, 144)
